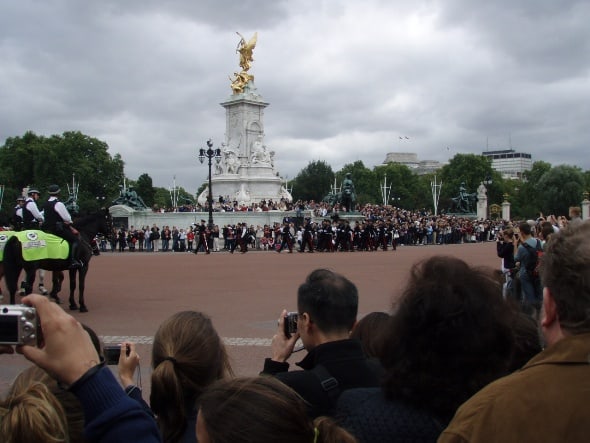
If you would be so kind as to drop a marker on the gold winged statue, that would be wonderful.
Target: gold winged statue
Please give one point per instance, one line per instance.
(245, 50)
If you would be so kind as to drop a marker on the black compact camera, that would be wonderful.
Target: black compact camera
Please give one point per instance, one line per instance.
(112, 353)
(19, 325)
(290, 323)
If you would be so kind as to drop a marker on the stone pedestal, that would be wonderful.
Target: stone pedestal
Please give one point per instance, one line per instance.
(482, 208)
(246, 172)
(505, 210)
(585, 209)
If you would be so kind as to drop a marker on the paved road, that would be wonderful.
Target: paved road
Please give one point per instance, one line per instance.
(130, 294)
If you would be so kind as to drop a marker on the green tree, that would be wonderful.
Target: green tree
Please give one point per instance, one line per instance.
(313, 182)
(559, 188)
(40, 161)
(145, 189)
(404, 185)
(525, 198)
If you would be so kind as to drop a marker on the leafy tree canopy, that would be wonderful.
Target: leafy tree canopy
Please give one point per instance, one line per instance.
(313, 182)
(39, 161)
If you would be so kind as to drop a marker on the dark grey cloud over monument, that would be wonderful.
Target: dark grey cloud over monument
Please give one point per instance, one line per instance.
(344, 79)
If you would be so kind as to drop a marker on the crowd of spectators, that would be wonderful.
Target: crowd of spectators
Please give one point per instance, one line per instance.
(381, 227)
(454, 360)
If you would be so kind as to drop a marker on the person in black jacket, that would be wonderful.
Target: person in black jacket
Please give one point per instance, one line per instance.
(327, 305)
(505, 250)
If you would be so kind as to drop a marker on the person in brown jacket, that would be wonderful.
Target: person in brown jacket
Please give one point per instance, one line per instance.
(547, 400)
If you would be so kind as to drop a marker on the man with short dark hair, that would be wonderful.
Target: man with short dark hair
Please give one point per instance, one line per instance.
(327, 305)
(547, 400)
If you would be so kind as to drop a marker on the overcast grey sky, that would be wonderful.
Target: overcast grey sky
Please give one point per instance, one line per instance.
(344, 79)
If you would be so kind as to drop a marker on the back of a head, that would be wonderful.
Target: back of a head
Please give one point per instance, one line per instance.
(369, 330)
(546, 230)
(31, 413)
(187, 356)
(330, 299)
(73, 410)
(565, 270)
(575, 211)
(262, 409)
(451, 335)
(525, 228)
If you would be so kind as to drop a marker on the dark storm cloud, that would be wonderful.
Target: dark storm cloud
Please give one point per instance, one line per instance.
(344, 79)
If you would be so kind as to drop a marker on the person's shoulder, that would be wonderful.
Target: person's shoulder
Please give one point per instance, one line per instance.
(357, 397)
(485, 408)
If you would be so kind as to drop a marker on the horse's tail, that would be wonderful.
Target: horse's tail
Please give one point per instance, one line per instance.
(13, 265)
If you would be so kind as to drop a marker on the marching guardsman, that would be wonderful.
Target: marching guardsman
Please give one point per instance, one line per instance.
(382, 235)
(32, 218)
(202, 234)
(308, 233)
(17, 215)
(58, 221)
(287, 238)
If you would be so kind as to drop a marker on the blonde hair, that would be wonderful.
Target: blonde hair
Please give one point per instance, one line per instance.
(32, 413)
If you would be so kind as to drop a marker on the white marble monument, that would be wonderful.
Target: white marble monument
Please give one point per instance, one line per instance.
(246, 172)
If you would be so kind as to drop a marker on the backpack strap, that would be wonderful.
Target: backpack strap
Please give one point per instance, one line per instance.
(328, 383)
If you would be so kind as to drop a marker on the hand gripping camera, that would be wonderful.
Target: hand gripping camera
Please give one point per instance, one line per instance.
(19, 325)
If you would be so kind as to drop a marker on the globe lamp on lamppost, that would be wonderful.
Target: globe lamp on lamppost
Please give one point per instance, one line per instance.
(210, 154)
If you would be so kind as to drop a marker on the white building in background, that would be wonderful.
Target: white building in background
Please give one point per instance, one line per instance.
(509, 163)
(410, 160)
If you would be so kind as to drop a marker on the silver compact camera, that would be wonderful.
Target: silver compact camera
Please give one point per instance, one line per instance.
(19, 325)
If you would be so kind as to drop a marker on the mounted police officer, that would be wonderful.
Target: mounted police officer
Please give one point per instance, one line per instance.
(32, 218)
(58, 221)
(17, 215)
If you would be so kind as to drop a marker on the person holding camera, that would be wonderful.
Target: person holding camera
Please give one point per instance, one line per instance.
(327, 305)
(505, 250)
(188, 355)
(67, 353)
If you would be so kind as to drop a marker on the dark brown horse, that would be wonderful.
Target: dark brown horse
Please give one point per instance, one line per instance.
(14, 263)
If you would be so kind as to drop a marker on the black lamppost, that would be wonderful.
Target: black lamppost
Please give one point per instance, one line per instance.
(210, 153)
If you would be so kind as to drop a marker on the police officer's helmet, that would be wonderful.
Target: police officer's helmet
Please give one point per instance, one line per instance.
(53, 190)
(33, 191)
(20, 198)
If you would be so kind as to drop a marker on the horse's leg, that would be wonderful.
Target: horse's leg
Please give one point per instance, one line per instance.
(42, 289)
(56, 279)
(11, 274)
(1, 275)
(82, 285)
(30, 280)
(73, 305)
